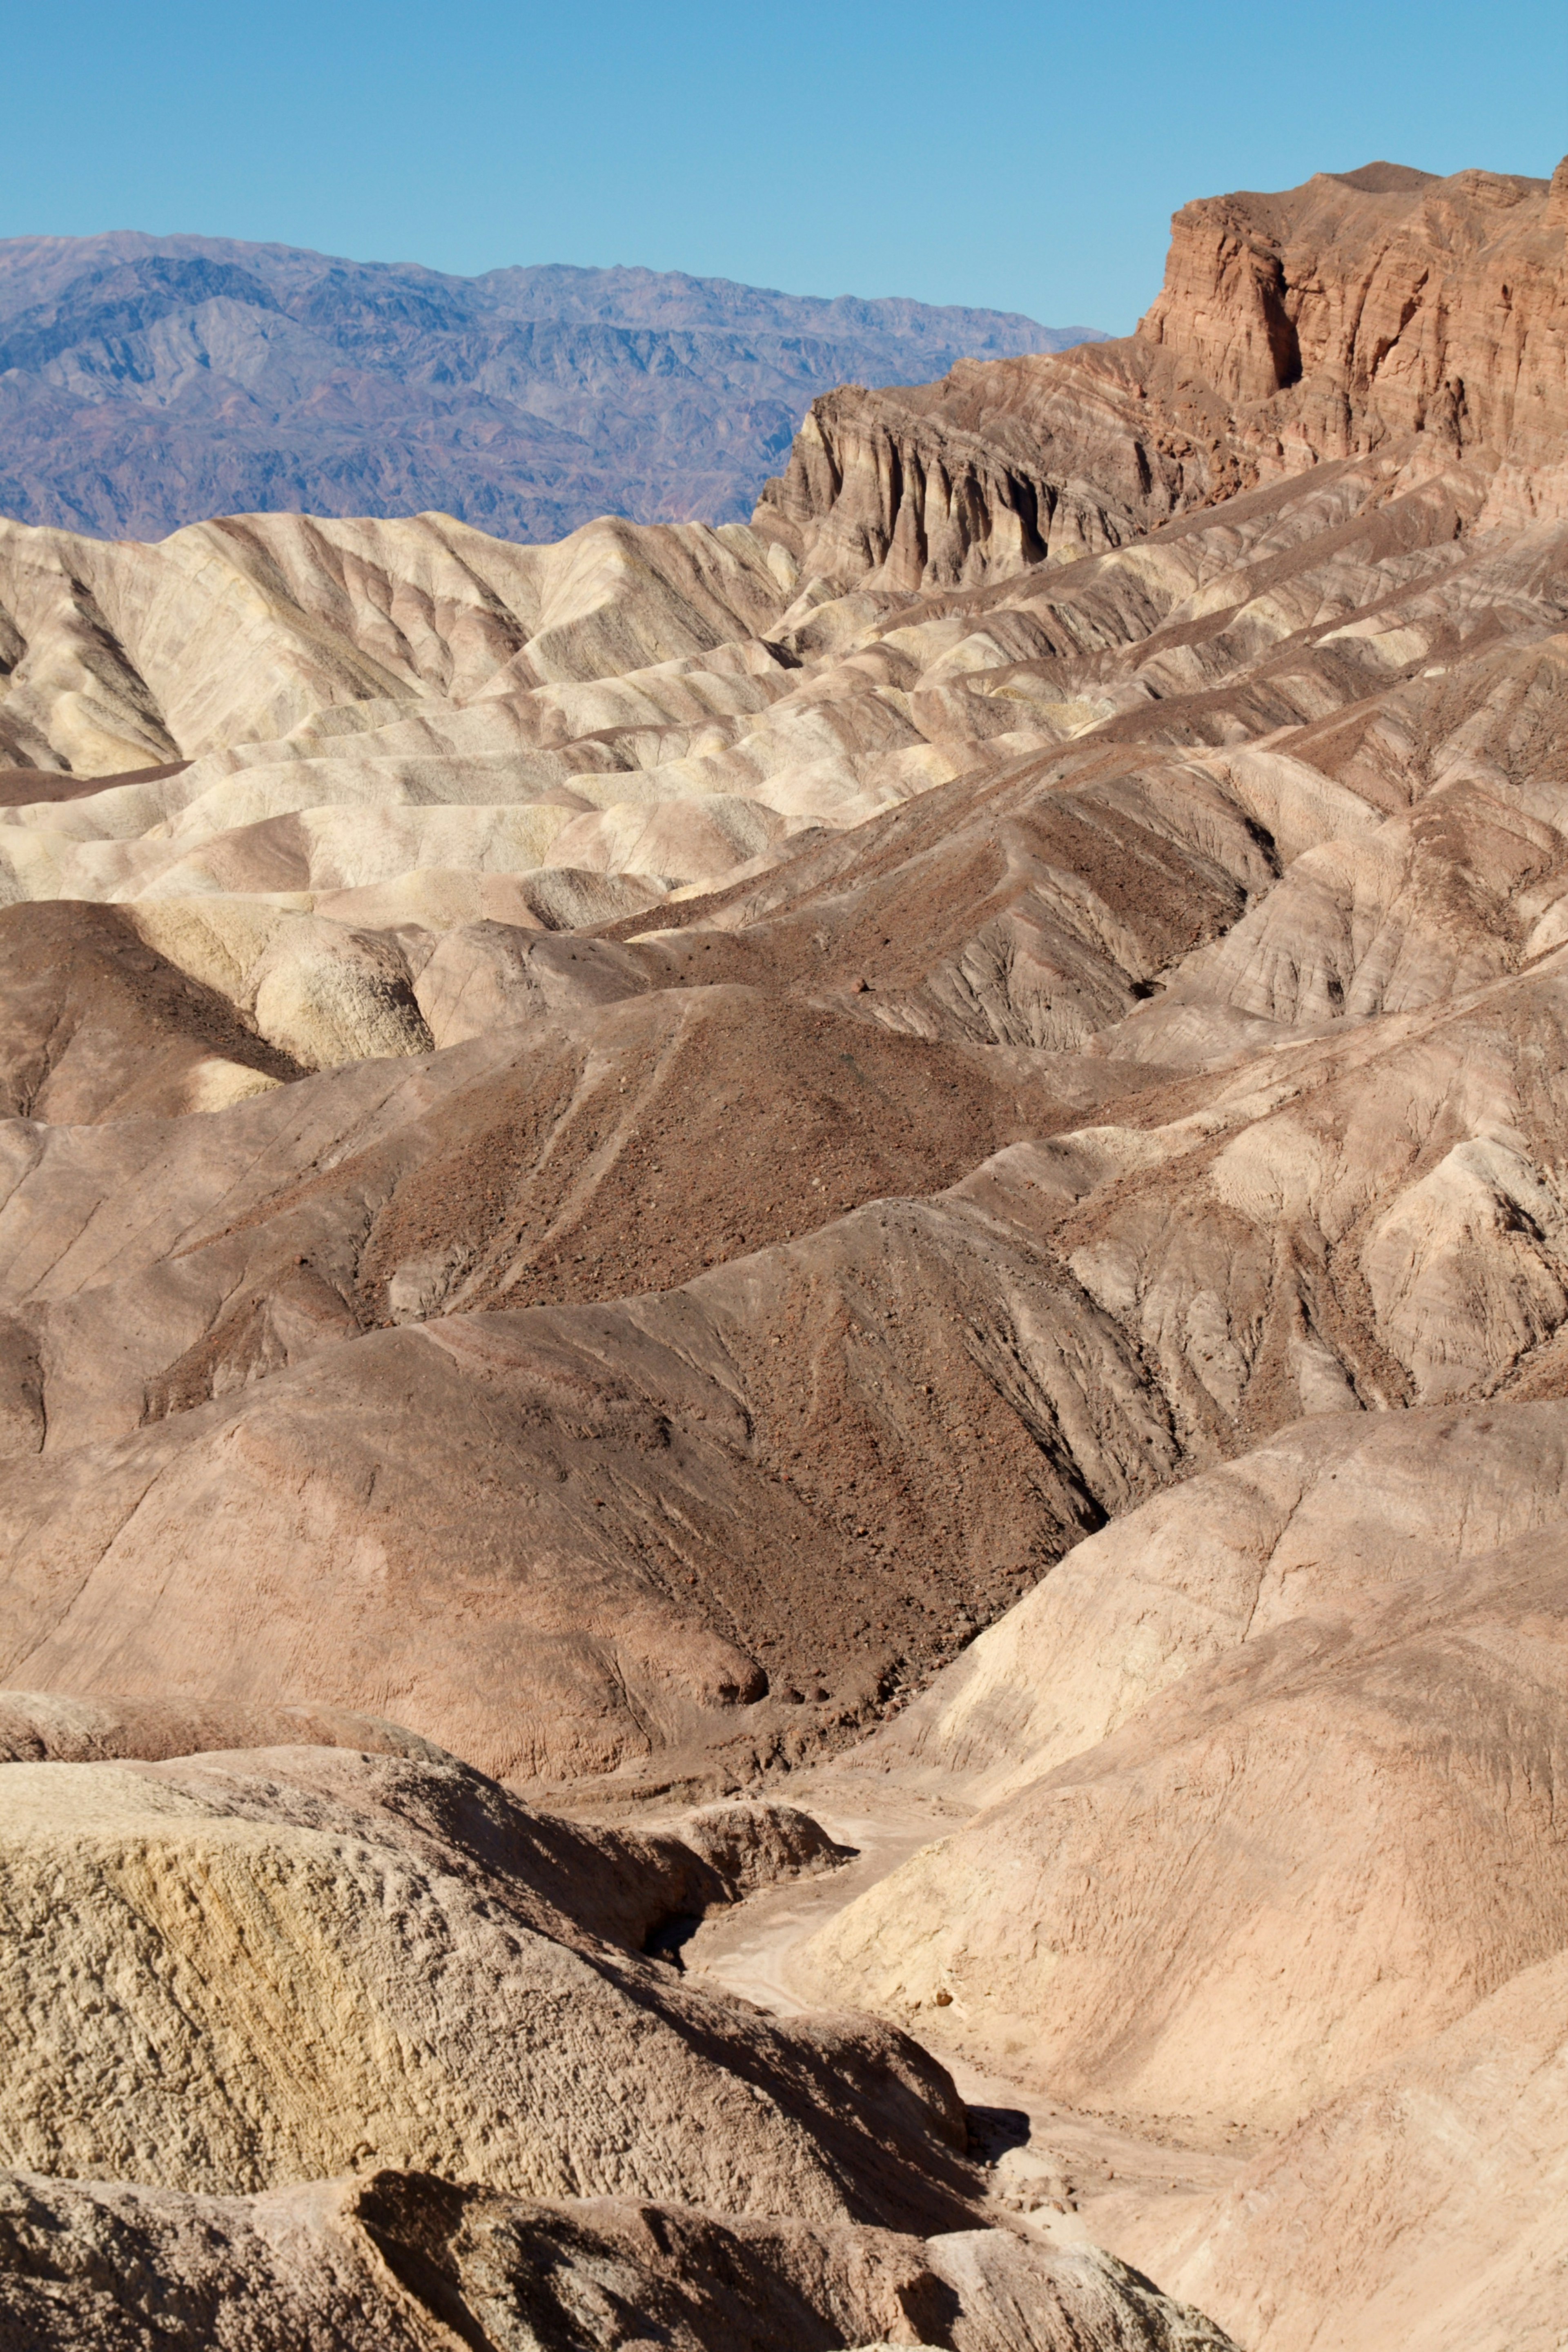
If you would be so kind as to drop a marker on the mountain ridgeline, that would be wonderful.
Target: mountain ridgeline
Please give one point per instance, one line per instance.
(147, 383)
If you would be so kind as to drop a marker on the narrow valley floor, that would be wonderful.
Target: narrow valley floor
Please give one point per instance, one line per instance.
(1072, 2176)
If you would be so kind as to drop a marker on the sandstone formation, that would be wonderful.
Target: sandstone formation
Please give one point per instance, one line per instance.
(149, 381)
(237, 1909)
(1326, 322)
(1331, 1514)
(1343, 1861)
(417, 2264)
(1424, 2208)
(614, 1150)
(184, 1944)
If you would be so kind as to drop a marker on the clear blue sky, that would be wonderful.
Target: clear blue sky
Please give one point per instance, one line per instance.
(1026, 156)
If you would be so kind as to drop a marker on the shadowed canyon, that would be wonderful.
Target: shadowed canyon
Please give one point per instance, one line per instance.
(783, 1368)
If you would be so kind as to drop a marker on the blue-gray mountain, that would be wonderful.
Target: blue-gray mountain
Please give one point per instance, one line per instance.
(146, 383)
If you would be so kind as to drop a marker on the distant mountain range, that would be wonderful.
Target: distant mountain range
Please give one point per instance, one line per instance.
(149, 381)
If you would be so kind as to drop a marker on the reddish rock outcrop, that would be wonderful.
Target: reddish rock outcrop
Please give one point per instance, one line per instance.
(1325, 321)
(1372, 303)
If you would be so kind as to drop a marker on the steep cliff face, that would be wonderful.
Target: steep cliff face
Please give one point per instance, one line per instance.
(1380, 302)
(999, 467)
(1319, 323)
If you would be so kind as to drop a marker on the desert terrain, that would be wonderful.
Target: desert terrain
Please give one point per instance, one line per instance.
(783, 1368)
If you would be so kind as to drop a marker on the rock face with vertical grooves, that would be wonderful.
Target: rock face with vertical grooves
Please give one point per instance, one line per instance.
(1324, 322)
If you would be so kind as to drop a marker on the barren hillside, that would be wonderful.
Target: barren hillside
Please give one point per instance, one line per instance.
(910, 1161)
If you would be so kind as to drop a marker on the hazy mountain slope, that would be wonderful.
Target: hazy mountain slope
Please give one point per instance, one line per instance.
(151, 382)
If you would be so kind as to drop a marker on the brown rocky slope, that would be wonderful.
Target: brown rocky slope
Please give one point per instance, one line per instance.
(1282, 769)
(661, 1127)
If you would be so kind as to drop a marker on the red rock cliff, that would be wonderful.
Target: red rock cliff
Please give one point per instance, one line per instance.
(1359, 309)
(1379, 302)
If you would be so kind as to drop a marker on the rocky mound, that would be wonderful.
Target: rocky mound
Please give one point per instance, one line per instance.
(315, 1958)
(1331, 1514)
(44, 1728)
(1288, 1866)
(1267, 1852)
(1424, 2208)
(420, 2264)
(96, 1024)
(228, 1972)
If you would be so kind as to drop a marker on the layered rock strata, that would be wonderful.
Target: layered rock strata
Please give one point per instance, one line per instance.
(1325, 323)
(1287, 780)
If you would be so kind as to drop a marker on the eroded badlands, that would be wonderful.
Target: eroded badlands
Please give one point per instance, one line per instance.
(891, 1179)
